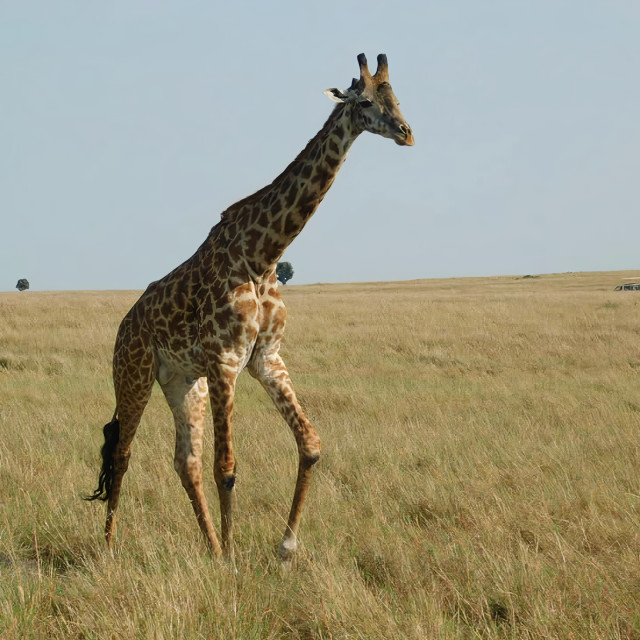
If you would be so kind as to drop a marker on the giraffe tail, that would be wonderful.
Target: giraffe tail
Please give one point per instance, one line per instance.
(105, 479)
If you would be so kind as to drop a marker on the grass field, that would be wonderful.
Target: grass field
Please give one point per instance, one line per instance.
(479, 478)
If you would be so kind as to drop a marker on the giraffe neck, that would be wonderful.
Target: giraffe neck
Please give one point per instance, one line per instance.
(260, 227)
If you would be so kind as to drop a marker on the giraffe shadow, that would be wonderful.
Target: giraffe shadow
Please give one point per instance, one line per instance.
(48, 556)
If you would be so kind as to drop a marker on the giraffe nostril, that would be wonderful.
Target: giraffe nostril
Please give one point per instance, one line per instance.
(406, 136)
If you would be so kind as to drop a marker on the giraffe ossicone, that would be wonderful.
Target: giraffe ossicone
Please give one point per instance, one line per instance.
(219, 311)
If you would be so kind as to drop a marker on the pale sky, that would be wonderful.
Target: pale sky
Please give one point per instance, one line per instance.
(128, 127)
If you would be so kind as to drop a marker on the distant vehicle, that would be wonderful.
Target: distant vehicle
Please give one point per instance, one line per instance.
(629, 284)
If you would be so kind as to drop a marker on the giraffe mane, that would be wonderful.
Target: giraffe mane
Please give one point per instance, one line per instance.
(231, 213)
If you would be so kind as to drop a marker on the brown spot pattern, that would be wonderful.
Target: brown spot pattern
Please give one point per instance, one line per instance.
(195, 329)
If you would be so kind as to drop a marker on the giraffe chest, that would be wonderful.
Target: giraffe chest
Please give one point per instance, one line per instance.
(224, 331)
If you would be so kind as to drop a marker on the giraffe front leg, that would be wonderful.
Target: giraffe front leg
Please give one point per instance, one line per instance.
(270, 370)
(187, 399)
(221, 392)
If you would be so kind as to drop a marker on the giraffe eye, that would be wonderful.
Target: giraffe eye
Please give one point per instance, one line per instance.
(365, 103)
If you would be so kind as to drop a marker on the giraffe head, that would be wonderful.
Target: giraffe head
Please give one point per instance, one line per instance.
(374, 106)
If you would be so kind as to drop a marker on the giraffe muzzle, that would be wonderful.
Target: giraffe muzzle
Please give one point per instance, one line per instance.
(405, 138)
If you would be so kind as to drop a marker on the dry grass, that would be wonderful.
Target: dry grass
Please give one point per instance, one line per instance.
(479, 476)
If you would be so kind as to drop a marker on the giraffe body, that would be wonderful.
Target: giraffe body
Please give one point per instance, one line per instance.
(220, 311)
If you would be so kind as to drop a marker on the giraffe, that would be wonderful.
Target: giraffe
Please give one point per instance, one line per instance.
(218, 312)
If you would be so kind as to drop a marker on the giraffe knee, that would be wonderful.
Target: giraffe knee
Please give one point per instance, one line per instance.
(309, 450)
(188, 468)
(309, 459)
(225, 477)
(226, 481)
(229, 483)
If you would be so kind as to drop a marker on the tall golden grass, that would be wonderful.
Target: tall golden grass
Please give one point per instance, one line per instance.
(479, 478)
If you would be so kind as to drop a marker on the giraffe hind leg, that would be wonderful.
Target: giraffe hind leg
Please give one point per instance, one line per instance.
(115, 453)
(129, 420)
(133, 385)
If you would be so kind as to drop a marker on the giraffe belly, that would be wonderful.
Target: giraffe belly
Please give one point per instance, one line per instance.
(187, 362)
(193, 362)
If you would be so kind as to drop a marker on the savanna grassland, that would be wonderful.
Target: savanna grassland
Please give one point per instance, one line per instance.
(479, 478)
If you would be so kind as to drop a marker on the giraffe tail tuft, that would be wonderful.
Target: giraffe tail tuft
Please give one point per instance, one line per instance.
(105, 479)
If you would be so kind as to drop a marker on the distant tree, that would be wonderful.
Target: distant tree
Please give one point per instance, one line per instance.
(284, 272)
(23, 284)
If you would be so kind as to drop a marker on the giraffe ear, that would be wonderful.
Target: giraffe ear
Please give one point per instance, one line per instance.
(336, 95)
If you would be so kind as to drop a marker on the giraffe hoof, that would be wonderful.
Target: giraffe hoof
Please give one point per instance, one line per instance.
(285, 557)
(286, 565)
(287, 550)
